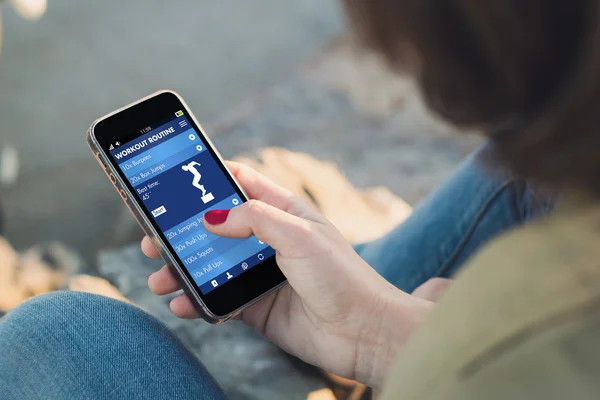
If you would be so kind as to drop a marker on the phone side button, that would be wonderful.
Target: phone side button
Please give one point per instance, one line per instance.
(123, 194)
(112, 178)
(99, 158)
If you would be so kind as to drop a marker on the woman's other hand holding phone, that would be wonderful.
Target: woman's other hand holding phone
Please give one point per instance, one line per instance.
(336, 313)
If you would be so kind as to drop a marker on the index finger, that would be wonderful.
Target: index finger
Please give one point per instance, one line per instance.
(256, 185)
(259, 187)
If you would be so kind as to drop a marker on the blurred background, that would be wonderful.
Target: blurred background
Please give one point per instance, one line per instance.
(84, 59)
(258, 74)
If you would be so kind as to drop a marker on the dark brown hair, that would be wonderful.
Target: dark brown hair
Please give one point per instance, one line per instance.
(525, 72)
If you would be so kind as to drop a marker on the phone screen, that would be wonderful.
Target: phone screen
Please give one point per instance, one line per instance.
(178, 179)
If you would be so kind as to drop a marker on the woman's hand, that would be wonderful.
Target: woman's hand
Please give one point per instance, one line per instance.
(337, 312)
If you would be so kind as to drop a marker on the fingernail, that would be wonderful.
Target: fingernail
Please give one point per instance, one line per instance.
(216, 217)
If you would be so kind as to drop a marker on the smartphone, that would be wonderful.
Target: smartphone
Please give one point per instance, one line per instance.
(169, 174)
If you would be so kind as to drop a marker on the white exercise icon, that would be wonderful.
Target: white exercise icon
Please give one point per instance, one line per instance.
(191, 167)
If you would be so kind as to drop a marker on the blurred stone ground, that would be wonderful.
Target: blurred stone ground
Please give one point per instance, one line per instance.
(342, 106)
(292, 81)
(84, 59)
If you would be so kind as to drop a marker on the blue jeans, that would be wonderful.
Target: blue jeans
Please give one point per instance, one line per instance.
(76, 346)
(452, 223)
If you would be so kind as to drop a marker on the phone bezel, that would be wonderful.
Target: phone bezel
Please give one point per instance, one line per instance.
(228, 299)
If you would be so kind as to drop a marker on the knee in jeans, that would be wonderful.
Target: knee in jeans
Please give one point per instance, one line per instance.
(63, 310)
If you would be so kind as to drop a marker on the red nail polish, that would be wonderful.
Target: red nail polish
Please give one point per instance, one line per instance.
(216, 217)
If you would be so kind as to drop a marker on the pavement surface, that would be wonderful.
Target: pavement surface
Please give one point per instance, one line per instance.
(257, 73)
(84, 59)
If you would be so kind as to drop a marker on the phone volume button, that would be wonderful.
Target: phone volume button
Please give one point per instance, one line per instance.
(123, 194)
(99, 158)
(112, 178)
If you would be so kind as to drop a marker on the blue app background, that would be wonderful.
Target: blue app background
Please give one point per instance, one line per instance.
(178, 180)
(176, 193)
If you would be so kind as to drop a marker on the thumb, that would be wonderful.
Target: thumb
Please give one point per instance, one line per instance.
(284, 232)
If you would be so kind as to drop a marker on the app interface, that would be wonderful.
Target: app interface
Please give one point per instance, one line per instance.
(178, 180)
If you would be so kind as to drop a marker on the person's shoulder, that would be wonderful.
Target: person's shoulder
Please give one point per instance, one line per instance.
(522, 286)
(558, 358)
